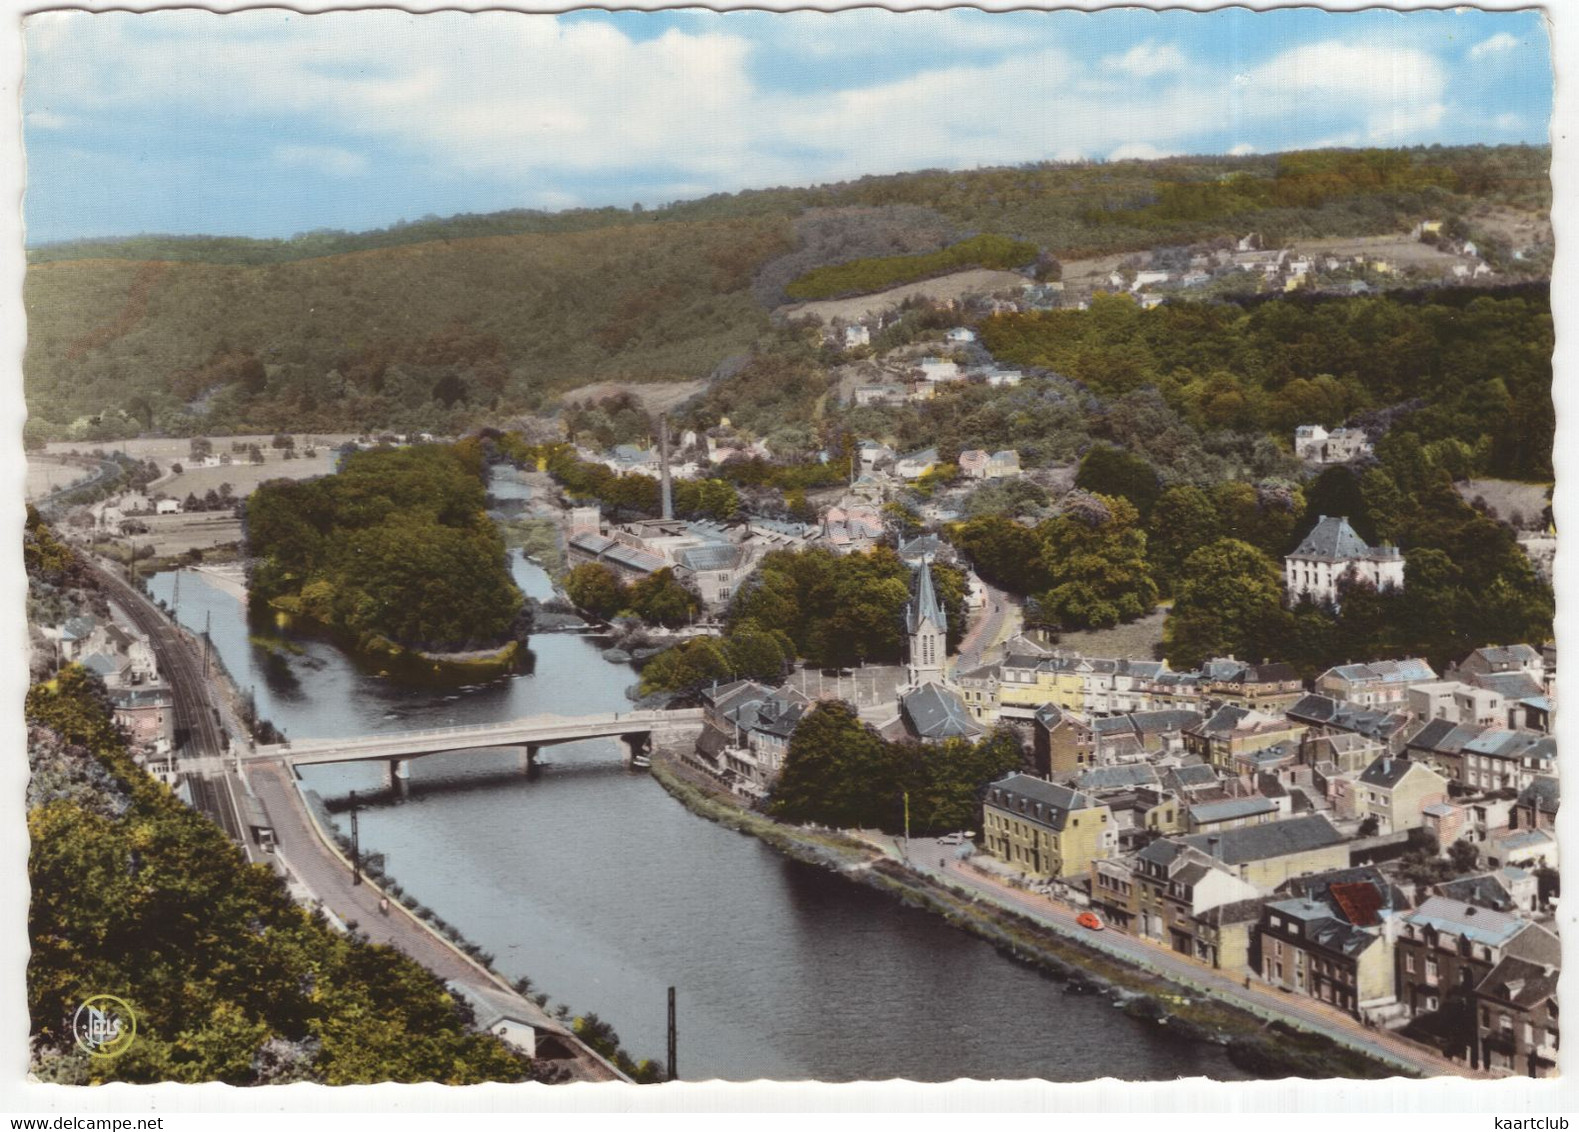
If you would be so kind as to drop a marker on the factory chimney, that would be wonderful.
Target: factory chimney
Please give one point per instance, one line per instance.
(663, 467)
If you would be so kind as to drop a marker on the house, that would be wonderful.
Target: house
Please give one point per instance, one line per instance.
(1381, 683)
(978, 688)
(1232, 732)
(1499, 759)
(1269, 854)
(881, 395)
(980, 464)
(872, 454)
(1148, 278)
(113, 668)
(960, 335)
(1536, 807)
(1330, 552)
(168, 507)
(854, 527)
(935, 370)
(1232, 813)
(1329, 716)
(1045, 830)
(1497, 660)
(914, 465)
(1004, 378)
(1329, 940)
(1158, 892)
(746, 733)
(1516, 1022)
(80, 636)
(1396, 791)
(1268, 688)
(1456, 701)
(147, 714)
(1445, 950)
(857, 335)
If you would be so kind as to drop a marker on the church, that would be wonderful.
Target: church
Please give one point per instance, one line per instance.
(927, 624)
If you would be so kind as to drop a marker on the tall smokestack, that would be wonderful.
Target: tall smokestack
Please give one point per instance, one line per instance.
(663, 467)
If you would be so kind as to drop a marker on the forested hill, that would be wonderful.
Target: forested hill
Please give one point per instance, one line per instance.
(436, 323)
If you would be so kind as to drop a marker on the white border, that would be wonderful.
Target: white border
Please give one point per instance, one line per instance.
(950, 1102)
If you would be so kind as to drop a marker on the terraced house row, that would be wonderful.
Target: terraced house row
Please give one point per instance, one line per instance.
(1383, 844)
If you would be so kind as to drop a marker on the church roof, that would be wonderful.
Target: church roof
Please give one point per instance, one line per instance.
(925, 606)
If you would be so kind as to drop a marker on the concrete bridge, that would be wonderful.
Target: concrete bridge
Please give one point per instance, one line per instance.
(529, 734)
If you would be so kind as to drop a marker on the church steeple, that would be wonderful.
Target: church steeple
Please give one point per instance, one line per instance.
(927, 624)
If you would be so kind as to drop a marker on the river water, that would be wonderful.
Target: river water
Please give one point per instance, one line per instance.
(593, 882)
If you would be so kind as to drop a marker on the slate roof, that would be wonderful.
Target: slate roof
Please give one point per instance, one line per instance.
(1234, 912)
(77, 628)
(1486, 891)
(1509, 685)
(1193, 776)
(1231, 808)
(1481, 925)
(1167, 719)
(142, 697)
(1387, 771)
(1117, 777)
(1328, 712)
(1443, 737)
(1520, 982)
(103, 665)
(1410, 671)
(1037, 800)
(1320, 926)
(1333, 539)
(926, 606)
(711, 556)
(1274, 839)
(937, 713)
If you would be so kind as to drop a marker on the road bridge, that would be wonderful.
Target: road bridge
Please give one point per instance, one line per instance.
(529, 734)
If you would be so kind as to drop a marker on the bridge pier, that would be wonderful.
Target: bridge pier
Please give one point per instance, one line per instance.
(397, 776)
(528, 757)
(638, 746)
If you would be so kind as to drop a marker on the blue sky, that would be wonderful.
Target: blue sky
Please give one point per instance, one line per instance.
(269, 123)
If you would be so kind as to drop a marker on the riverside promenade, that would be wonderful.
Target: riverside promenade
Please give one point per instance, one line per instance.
(326, 874)
(928, 859)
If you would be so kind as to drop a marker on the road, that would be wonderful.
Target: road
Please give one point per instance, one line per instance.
(1307, 1013)
(303, 854)
(1000, 620)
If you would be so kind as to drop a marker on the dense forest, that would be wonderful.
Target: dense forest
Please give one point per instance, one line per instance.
(441, 324)
(862, 276)
(393, 549)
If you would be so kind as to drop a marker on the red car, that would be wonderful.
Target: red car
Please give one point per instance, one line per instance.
(1090, 920)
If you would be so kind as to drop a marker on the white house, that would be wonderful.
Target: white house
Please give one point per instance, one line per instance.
(168, 507)
(1332, 550)
(939, 369)
(857, 335)
(961, 335)
(1315, 443)
(1147, 278)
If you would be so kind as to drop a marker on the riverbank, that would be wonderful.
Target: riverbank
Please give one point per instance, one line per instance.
(1269, 1048)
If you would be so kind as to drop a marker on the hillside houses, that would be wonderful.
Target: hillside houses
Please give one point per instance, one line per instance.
(1333, 551)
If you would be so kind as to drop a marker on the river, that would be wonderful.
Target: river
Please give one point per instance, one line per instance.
(593, 882)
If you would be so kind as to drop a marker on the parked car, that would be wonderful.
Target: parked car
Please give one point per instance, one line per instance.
(952, 839)
(1090, 920)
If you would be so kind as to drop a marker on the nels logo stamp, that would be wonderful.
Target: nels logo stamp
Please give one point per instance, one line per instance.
(104, 1026)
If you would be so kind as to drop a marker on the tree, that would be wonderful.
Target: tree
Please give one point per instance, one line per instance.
(838, 771)
(1182, 522)
(1094, 556)
(1229, 600)
(661, 599)
(1110, 471)
(596, 589)
(200, 448)
(1463, 856)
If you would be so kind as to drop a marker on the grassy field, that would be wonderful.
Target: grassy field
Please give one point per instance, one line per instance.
(1135, 641)
(1509, 498)
(976, 281)
(45, 476)
(244, 478)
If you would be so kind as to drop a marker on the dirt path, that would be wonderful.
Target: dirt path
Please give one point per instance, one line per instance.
(979, 281)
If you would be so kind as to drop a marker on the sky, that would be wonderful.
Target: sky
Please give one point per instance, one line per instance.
(269, 123)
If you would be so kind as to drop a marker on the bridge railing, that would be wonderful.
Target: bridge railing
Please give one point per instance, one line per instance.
(650, 716)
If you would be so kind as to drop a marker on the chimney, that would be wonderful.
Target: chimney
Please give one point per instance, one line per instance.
(1217, 846)
(663, 467)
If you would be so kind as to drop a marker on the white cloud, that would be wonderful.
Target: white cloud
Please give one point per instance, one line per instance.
(1242, 149)
(330, 159)
(1509, 122)
(1499, 44)
(538, 103)
(1147, 60)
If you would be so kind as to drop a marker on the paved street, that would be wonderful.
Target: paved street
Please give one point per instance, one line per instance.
(925, 856)
(329, 879)
(1001, 619)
